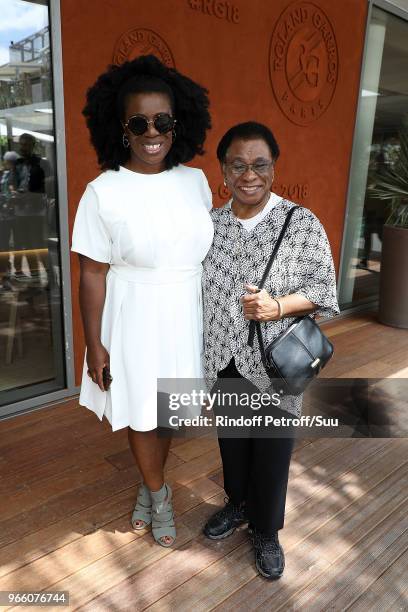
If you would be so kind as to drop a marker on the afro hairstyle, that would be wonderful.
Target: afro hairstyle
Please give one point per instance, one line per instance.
(105, 108)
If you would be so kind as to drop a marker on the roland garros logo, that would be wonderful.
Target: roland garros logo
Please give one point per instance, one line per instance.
(303, 62)
(141, 41)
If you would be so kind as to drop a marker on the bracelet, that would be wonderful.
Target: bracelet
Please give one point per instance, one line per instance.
(280, 307)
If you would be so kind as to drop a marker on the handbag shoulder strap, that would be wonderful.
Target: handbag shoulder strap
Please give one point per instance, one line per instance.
(255, 324)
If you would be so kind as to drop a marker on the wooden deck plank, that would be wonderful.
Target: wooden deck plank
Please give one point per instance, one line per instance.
(67, 504)
(389, 587)
(357, 569)
(335, 328)
(355, 348)
(372, 369)
(401, 604)
(352, 531)
(313, 453)
(82, 552)
(45, 491)
(208, 586)
(53, 536)
(241, 559)
(301, 442)
(383, 498)
(306, 509)
(399, 357)
(194, 447)
(79, 498)
(338, 467)
(68, 472)
(21, 478)
(345, 537)
(358, 443)
(198, 467)
(284, 594)
(340, 489)
(40, 450)
(97, 577)
(301, 568)
(149, 584)
(309, 455)
(73, 528)
(38, 416)
(113, 568)
(124, 459)
(307, 499)
(16, 440)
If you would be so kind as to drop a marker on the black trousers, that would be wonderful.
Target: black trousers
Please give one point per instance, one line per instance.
(256, 469)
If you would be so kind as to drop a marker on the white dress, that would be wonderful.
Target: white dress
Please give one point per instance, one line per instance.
(154, 230)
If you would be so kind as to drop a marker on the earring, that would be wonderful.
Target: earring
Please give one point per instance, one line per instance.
(125, 141)
(225, 182)
(174, 134)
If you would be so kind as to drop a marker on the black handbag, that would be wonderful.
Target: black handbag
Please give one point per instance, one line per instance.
(298, 354)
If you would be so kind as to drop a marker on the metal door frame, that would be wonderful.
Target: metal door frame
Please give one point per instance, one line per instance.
(39, 401)
(389, 7)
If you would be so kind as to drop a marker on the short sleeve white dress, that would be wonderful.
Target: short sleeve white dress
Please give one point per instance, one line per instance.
(154, 230)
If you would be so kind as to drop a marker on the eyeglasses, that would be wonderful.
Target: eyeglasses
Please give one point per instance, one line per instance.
(138, 124)
(260, 167)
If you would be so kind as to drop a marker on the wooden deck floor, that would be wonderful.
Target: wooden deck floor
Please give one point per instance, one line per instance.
(67, 488)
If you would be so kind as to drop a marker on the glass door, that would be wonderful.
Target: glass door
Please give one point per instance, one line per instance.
(382, 116)
(32, 356)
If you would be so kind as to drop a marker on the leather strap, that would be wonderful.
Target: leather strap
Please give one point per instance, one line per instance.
(255, 325)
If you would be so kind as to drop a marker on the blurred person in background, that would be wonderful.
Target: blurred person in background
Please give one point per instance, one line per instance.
(30, 209)
(7, 194)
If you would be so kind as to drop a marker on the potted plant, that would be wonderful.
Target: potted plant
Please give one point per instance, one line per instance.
(392, 185)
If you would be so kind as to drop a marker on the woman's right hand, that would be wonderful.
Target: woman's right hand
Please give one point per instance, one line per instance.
(97, 358)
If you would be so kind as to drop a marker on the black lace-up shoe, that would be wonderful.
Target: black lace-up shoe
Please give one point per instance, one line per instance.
(224, 522)
(269, 557)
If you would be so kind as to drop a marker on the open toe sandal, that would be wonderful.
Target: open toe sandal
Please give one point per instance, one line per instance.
(142, 514)
(163, 528)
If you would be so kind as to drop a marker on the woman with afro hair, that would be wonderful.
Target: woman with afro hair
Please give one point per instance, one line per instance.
(142, 230)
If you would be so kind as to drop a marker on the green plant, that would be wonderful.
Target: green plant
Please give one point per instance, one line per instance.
(392, 185)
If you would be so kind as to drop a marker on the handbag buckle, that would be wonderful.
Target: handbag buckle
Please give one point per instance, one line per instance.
(315, 363)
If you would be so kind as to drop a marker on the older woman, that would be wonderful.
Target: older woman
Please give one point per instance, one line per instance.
(301, 281)
(142, 230)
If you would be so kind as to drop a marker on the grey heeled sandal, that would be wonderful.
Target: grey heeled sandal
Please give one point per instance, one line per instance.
(142, 514)
(163, 527)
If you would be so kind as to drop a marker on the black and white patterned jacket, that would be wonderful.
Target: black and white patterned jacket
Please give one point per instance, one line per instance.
(303, 265)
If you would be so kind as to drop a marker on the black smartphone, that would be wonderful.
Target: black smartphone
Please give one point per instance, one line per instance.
(106, 378)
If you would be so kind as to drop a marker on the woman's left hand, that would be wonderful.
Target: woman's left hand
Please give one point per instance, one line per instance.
(259, 305)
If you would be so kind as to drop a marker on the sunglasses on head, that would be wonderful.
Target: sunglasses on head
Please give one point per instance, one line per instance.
(138, 124)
